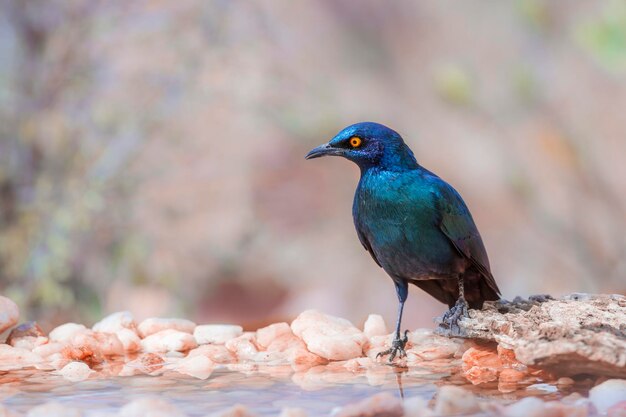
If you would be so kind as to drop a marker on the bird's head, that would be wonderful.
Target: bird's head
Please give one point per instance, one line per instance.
(369, 145)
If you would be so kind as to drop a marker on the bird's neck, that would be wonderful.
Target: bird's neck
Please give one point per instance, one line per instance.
(396, 160)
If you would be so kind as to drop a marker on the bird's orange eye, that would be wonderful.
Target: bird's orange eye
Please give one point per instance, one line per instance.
(355, 141)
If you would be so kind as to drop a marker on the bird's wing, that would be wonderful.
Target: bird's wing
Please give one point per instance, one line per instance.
(458, 226)
(366, 245)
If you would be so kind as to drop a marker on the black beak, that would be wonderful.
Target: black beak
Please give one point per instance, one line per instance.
(323, 150)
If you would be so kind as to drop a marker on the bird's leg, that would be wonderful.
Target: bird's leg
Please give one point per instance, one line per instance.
(398, 344)
(457, 312)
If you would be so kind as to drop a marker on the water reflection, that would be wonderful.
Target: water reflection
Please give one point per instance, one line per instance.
(266, 390)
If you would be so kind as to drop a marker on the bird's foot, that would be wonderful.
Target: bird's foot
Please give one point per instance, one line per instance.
(396, 349)
(450, 320)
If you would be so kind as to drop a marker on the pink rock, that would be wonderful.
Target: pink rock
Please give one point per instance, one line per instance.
(109, 343)
(329, 337)
(27, 336)
(29, 342)
(75, 371)
(198, 366)
(9, 314)
(216, 333)
(65, 332)
(129, 339)
(169, 340)
(357, 364)
(84, 347)
(481, 364)
(607, 394)
(116, 322)
(49, 349)
(299, 357)
(154, 325)
(452, 400)
(53, 409)
(564, 381)
(375, 326)
(377, 344)
(243, 347)
(147, 363)
(266, 335)
(383, 404)
(288, 348)
(150, 407)
(217, 353)
(426, 346)
(16, 358)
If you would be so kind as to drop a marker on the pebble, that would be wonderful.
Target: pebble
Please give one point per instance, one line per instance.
(9, 313)
(608, 394)
(169, 340)
(150, 407)
(53, 409)
(65, 332)
(243, 347)
(147, 363)
(267, 335)
(12, 358)
(217, 353)
(565, 381)
(382, 404)
(49, 349)
(76, 371)
(155, 325)
(116, 322)
(511, 376)
(216, 333)
(27, 335)
(129, 339)
(109, 343)
(287, 348)
(375, 326)
(84, 347)
(330, 337)
(198, 366)
(481, 364)
(452, 400)
(433, 347)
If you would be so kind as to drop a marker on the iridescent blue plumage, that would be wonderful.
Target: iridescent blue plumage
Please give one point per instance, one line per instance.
(414, 224)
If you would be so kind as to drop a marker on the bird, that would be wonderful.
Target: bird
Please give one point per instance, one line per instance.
(414, 224)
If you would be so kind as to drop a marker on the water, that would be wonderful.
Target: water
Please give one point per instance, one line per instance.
(265, 390)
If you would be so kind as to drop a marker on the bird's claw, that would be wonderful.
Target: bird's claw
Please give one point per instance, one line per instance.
(451, 318)
(396, 349)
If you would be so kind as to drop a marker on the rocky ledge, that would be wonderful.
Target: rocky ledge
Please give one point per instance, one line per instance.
(576, 334)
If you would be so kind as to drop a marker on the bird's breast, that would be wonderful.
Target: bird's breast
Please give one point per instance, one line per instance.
(400, 224)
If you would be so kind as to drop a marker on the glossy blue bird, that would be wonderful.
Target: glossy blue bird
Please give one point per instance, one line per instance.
(414, 224)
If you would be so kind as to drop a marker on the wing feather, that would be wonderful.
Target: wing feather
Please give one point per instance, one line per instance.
(458, 226)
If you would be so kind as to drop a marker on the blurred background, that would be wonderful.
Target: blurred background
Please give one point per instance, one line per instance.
(151, 152)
